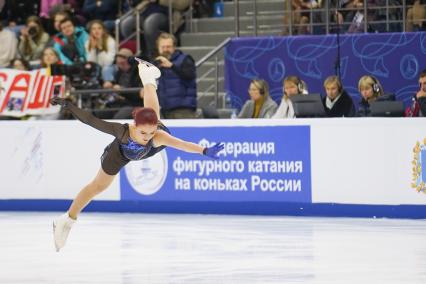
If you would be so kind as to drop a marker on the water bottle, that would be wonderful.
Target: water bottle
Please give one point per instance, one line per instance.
(234, 114)
(228, 101)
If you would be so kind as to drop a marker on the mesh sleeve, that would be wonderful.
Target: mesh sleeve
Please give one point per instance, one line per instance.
(113, 128)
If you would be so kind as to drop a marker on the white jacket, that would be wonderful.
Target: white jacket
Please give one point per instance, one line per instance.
(102, 58)
(285, 109)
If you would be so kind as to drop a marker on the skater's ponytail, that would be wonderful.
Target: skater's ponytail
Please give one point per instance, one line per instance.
(144, 115)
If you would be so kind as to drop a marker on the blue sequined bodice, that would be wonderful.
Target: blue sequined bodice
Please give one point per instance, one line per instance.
(133, 150)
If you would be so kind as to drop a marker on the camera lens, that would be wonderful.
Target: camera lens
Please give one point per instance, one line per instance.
(32, 31)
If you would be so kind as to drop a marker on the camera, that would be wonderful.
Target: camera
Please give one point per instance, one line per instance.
(32, 31)
(82, 75)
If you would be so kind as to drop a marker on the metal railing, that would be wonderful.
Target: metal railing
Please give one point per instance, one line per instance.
(138, 31)
(327, 12)
(80, 94)
(209, 55)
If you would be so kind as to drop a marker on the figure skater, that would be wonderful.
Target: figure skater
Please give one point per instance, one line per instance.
(140, 140)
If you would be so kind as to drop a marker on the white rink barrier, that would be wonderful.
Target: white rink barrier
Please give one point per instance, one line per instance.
(363, 167)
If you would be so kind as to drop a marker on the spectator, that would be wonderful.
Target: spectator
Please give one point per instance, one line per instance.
(70, 42)
(416, 17)
(33, 39)
(49, 57)
(7, 47)
(58, 17)
(421, 94)
(371, 90)
(177, 88)
(71, 9)
(100, 48)
(418, 107)
(301, 14)
(337, 102)
(104, 10)
(19, 64)
(126, 76)
(292, 85)
(154, 20)
(260, 104)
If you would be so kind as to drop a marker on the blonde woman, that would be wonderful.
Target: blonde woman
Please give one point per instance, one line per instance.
(292, 85)
(371, 90)
(49, 57)
(260, 104)
(100, 48)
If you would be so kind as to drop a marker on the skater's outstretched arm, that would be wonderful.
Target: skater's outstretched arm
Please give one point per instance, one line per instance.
(113, 128)
(163, 138)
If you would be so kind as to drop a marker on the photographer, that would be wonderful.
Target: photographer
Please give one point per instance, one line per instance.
(33, 39)
(177, 88)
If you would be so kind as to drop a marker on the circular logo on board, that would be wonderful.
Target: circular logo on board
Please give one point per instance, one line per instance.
(409, 66)
(276, 69)
(148, 175)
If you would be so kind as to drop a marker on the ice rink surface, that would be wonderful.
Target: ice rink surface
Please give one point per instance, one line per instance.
(155, 248)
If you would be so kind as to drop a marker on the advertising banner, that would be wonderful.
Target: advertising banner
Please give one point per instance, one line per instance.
(28, 92)
(258, 164)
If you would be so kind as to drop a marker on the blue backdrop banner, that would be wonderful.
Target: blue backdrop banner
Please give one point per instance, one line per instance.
(395, 59)
(258, 164)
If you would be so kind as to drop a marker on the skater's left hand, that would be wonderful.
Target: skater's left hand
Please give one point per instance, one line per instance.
(58, 101)
(213, 151)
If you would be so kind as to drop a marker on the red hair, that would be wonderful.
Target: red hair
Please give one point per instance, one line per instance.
(145, 115)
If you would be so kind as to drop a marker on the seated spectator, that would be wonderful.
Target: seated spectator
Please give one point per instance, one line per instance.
(302, 15)
(292, 85)
(416, 17)
(69, 8)
(421, 94)
(8, 46)
(49, 57)
(126, 76)
(57, 18)
(33, 39)
(177, 88)
(154, 19)
(19, 64)
(371, 90)
(69, 43)
(100, 48)
(418, 107)
(260, 104)
(337, 102)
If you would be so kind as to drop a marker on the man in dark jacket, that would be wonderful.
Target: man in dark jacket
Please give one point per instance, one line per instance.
(337, 102)
(177, 90)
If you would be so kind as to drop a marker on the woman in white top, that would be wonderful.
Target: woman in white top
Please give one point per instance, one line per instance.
(292, 86)
(101, 48)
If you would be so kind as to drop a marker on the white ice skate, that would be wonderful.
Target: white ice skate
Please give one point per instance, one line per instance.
(148, 72)
(61, 228)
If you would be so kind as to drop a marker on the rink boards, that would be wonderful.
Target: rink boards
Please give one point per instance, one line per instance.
(370, 167)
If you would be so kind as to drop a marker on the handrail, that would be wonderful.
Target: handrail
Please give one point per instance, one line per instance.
(213, 52)
(207, 57)
(96, 92)
(288, 12)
